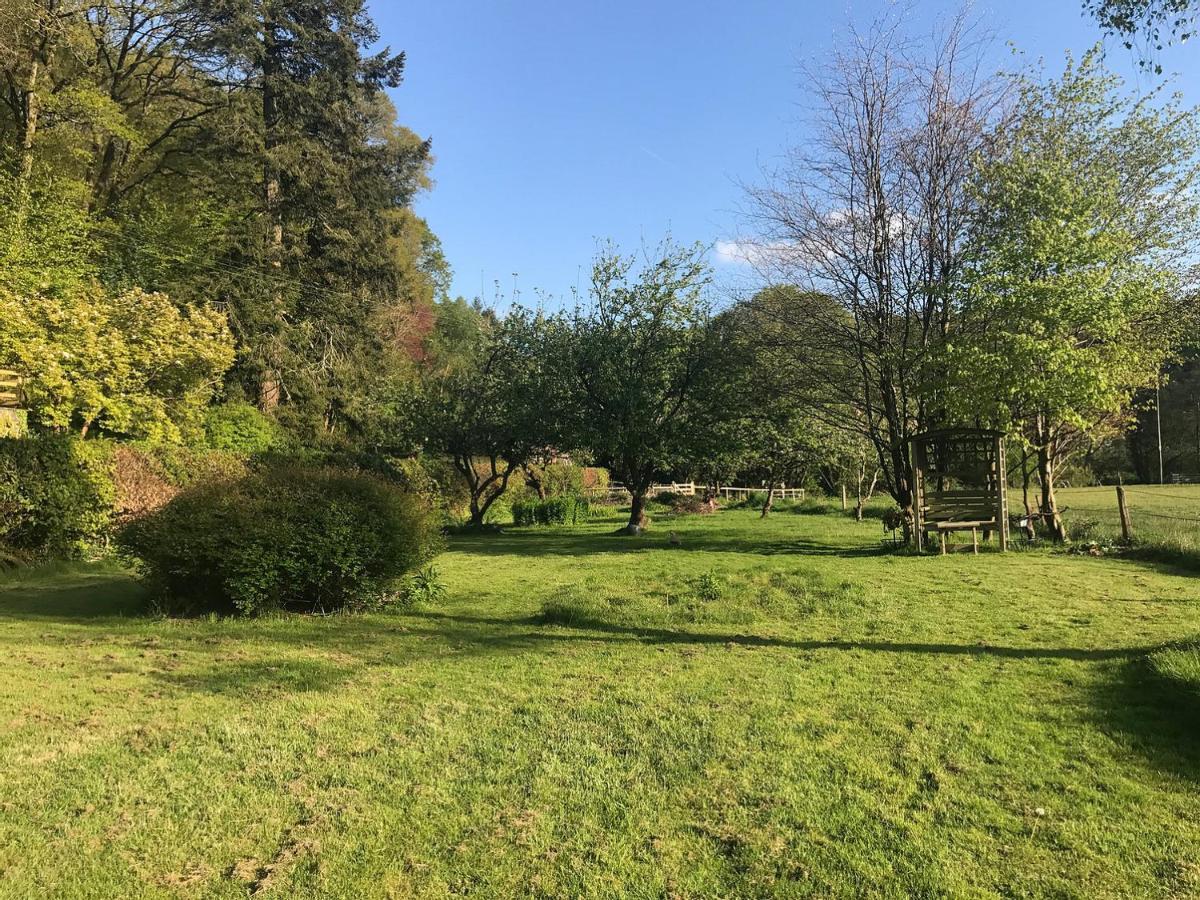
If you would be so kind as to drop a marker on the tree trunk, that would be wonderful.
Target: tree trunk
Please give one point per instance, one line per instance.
(269, 388)
(28, 132)
(1026, 474)
(864, 497)
(637, 510)
(769, 502)
(1045, 461)
(535, 481)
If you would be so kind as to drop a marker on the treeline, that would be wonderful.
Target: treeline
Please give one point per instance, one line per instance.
(948, 249)
(208, 197)
(210, 201)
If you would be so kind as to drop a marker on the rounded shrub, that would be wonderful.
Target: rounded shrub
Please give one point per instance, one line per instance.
(292, 537)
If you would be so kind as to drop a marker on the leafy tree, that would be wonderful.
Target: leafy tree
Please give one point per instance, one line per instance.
(333, 166)
(636, 361)
(869, 223)
(489, 412)
(133, 364)
(1158, 22)
(1086, 206)
(781, 425)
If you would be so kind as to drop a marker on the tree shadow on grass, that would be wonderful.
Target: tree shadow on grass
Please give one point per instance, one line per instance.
(592, 628)
(81, 596)
(1154, 714)
(530, 544)
(261, 678)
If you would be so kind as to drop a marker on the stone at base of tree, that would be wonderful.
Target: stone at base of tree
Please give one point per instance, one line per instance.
(631, 530)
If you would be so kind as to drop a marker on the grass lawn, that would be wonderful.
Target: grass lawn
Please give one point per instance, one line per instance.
(1162, 513)
(773, 708)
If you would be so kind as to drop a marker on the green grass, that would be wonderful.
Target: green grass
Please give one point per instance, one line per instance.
(1168, 513)
(773, 708)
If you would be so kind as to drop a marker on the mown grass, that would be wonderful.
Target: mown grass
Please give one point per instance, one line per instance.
(772, 708)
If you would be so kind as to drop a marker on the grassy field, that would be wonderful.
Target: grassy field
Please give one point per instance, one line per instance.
(1168, 513)
(776, 708)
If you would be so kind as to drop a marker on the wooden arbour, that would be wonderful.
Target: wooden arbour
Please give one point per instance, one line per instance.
(960, 484)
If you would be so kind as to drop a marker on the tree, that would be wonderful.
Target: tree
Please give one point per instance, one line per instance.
(331, 164)
(1087, 209)
(868, 221)
(131, 363)
(635, 362)
(488, 412)
(134, 364)
(1160, 23)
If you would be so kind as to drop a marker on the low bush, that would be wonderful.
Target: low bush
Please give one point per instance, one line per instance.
(685, 504)
(148, 476)
(424, 587)
(56, 496)
(708, 588)
(294, 537)
(565, 510)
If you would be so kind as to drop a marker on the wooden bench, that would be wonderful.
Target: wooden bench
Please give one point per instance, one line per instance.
(944, 528)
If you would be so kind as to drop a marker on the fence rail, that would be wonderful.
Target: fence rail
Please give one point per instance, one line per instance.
(616, 491)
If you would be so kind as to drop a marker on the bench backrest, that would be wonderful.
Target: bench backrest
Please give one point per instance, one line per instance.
(959, 505)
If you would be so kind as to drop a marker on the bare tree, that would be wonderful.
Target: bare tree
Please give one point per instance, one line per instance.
(868, 219)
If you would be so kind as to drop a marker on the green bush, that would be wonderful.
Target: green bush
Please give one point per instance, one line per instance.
(239, 427)
(56, 495)
(294, 537)
(567, 510)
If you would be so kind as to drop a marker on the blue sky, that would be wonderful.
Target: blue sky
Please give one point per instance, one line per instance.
(559, 123)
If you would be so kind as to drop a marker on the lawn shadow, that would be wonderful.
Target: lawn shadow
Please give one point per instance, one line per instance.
(77, 596)
(1157, 716)
(551, 543)
(485, 631)
(263, 677)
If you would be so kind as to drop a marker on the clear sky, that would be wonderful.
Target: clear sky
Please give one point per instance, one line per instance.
(557, 123)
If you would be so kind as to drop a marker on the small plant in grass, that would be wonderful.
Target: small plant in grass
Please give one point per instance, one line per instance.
(423, 587)
(708, 588)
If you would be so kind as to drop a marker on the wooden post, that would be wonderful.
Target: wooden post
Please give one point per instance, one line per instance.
(844, 507)
(1123, 509)
(1001, 494)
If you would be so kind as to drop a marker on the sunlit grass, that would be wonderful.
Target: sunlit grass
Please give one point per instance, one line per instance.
(771, 708)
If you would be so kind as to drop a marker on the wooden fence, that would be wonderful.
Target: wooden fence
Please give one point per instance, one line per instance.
(617, 493)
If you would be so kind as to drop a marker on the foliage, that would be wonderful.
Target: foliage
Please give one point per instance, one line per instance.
(1084, 207)
(708, 588)
(423, 587)
(1159, 22)
(236, 152)
(491, 413)
(240, 427)
(565, 509)
(864, 230)
(133, 364)
(146, 476)
(635, 362)
(56, 495)
(287, 538)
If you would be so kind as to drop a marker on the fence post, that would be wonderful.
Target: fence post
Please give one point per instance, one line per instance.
(844, 507)
(1123, 508)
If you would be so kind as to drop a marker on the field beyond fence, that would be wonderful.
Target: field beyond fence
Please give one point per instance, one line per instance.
(1167, 513)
